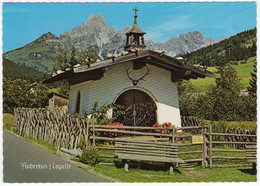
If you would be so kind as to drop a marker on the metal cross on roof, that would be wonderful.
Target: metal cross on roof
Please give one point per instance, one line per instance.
(135, 10)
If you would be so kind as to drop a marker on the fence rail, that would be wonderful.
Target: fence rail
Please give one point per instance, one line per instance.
(235, 141)
(109, 133)
(230, 134)
(130, 127)
(60, 130)
(200, 155)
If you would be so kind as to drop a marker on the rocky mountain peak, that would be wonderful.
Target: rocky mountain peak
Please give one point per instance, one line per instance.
(47, 36)
(96, 18)
(195, 35)
(94, 25)
(126, 29)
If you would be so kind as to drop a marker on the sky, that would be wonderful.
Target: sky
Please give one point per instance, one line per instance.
(25, 22)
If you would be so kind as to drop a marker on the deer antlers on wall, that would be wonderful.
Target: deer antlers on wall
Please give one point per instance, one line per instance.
(136, 81)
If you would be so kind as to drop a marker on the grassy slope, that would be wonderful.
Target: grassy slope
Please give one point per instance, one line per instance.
(8, 121)
(13, 70)
(198, 175)
(22, 56)
(243, 71)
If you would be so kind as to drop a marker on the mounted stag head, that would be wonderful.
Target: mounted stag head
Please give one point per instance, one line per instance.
(136, 81)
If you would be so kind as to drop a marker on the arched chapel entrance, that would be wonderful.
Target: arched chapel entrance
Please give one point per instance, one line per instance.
(140, 109)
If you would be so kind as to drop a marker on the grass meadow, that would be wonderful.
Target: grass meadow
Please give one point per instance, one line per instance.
(243, 71)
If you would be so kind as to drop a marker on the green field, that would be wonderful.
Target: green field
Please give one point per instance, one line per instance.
(158, 172)
(8, 121)
(197, 175)
(243, 71)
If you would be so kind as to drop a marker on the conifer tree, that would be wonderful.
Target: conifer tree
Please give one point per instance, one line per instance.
(87, 55)
(67, 59)
(252, 83)
(72, 57)
(61, 60)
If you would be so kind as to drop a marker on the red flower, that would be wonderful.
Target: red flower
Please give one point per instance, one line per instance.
(165, 124)
(180, 133)
(113, 133)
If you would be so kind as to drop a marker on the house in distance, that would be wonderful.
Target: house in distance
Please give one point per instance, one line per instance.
(57, 101)
(143, 81)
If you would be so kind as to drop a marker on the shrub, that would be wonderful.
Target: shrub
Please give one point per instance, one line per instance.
(82, 144)
(104, 113)
(187, 98)
(233, 62)
(89, 156)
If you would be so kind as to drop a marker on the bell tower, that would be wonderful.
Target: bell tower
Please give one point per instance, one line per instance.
(135, 37)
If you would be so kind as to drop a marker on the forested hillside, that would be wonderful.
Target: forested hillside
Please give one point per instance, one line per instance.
(216, 99)
(15, 71)
(237, 48)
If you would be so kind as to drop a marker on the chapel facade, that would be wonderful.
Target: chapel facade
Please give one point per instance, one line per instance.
(143, 81)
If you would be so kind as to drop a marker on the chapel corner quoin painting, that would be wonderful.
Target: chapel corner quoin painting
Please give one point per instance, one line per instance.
(120, 102)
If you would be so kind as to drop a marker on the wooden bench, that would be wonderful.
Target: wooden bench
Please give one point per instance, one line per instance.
(130, 149)
(251, 155)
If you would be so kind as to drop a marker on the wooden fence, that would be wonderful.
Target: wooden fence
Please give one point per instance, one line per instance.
(185, 139)
(215, 148)
(58, 129)
(189, 121)
(235, 157)
(103, 137)
(242, 136)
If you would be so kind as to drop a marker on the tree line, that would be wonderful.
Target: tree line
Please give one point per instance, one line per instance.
(222, 100)
(14, 71)
(239, 47)
(21, 93)
(18, 90)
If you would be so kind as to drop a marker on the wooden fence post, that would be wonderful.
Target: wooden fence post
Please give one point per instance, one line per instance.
(87, 135)
(204, 147)
(210, 145)
(173, 134)
(94, 141)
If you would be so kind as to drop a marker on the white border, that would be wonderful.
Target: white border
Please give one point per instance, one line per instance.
(67, 1)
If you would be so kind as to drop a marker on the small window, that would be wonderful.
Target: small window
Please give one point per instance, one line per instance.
(78, 103)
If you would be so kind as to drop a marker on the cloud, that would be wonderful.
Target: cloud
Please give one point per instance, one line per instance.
(177, 23)
(14, 10)
(155, 36)
(172, 25)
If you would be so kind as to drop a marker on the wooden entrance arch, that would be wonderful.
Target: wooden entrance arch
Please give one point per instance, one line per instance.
(140, 108)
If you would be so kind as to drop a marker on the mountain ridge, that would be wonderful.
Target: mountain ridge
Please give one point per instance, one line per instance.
(102, 38)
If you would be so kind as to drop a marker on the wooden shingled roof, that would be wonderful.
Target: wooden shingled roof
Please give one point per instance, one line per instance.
(179, 69)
